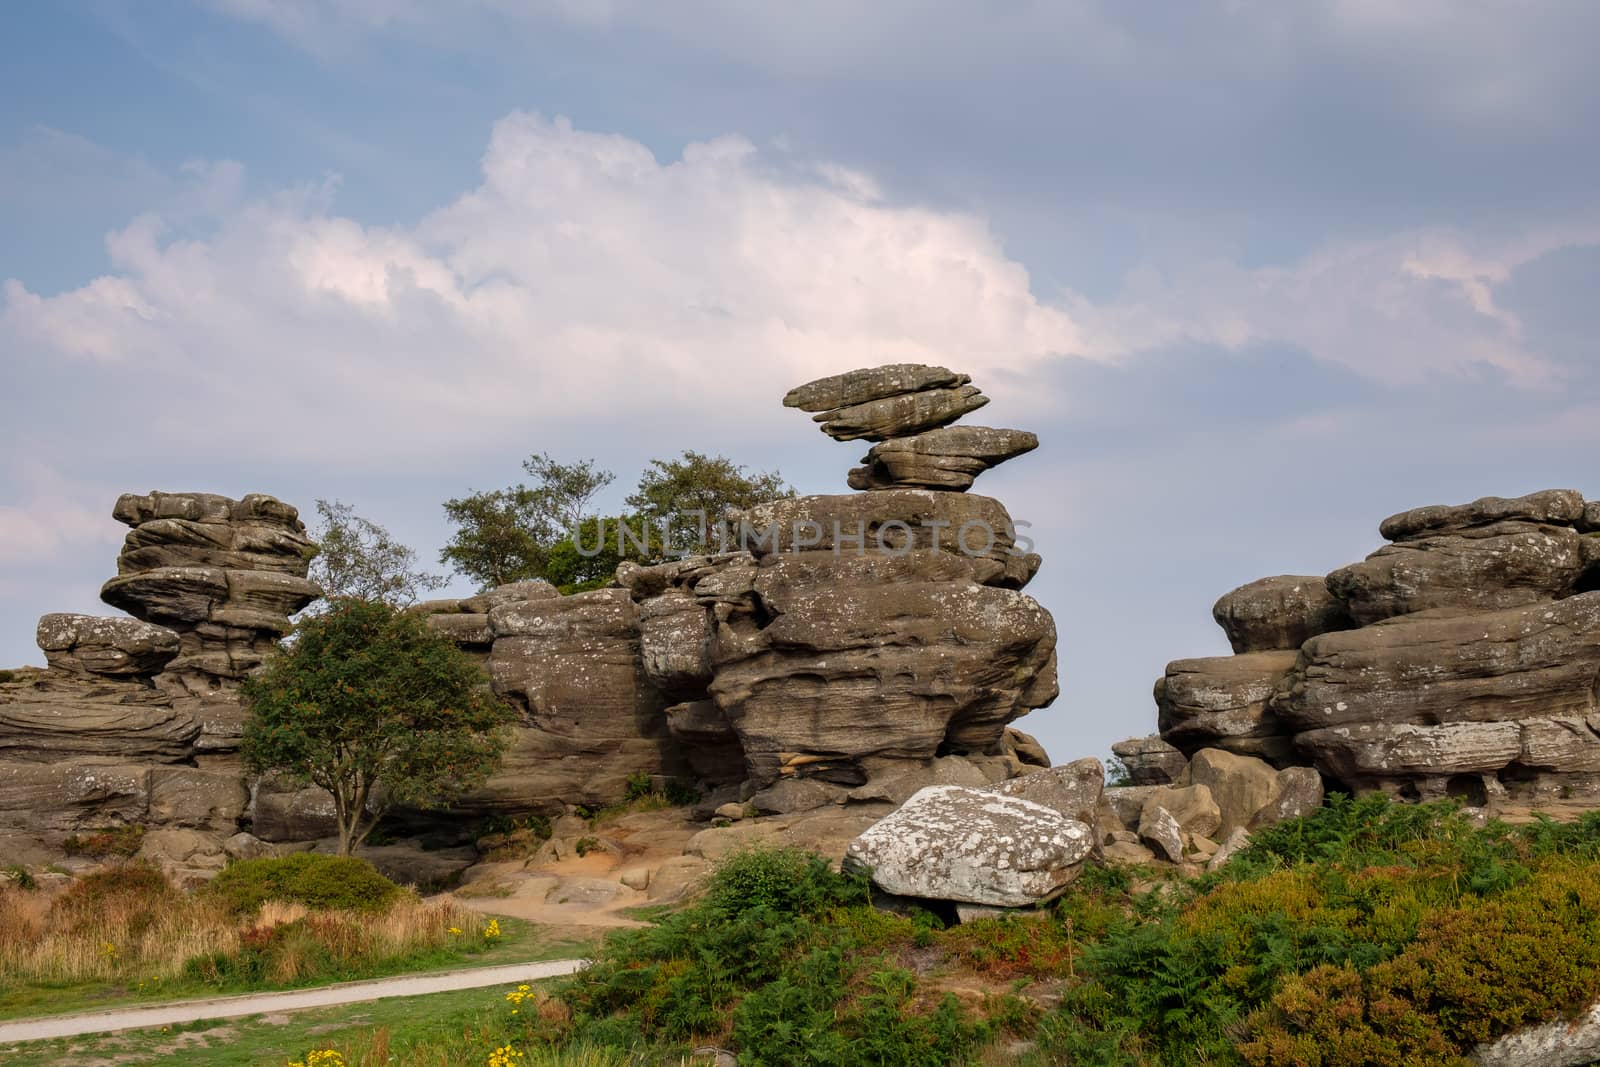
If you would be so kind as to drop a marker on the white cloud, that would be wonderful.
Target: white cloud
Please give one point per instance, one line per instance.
(584, 279)
(52, 516)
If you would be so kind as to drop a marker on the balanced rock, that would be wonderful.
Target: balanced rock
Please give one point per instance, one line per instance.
(224, 574)
(870, 383)
(1279, 613)
(948, 458)
(878, 403)
(90, 644)
(973, 846)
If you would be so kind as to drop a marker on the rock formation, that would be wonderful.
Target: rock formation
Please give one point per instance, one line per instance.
(1463, 657)
(135, 721)
(847, 641)
(846, 649)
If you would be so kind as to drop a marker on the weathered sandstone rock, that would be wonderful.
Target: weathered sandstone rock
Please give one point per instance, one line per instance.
(1481, 568)
(1556, 507)
(224, 574)
(1074, 789)
(1150, 760)
(901, 416)
(1222, 702)
(1279, 613)
(1240, 785)
(948, 458)
(90, 644)
(870, 383)
(877, 656)
(973, 846)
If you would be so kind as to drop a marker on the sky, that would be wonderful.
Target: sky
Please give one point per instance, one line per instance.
(1258, 273)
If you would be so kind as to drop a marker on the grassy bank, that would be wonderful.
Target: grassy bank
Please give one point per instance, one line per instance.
(126, 935)
(1366, 934)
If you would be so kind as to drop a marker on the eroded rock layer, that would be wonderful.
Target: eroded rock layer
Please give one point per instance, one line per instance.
(1462, 658)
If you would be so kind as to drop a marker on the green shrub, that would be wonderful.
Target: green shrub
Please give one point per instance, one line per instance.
(310, 878)
(1472, 973)
(7, 676)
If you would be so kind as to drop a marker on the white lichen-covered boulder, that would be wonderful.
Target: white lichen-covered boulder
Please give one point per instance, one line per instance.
(973, 846)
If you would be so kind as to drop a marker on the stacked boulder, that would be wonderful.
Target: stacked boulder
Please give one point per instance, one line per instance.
(136, 722)
(884, 629)
(1461, 658)
(907, 408)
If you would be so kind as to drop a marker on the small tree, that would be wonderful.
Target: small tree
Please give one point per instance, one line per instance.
(505, 535)
(377, 709)
(697, 488)
(358, 558)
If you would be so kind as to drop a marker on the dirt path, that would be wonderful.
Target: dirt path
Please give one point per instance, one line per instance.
(262, 1003)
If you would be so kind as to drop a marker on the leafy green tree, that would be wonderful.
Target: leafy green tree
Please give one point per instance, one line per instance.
(688, 495)
(377, 709)
(505, 535)
(358, 558)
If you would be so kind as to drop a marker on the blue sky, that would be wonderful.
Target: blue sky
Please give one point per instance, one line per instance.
(1258, 274)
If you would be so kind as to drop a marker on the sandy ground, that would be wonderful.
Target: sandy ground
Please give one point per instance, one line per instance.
(264, 1003)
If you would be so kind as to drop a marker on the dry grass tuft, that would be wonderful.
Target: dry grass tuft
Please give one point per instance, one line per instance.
(128, 924)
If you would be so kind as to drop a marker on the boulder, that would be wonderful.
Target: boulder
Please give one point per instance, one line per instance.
(1124, 804)
(200, 799)
(90, 644)
(1555, 507)
(1193, 806)
(870, 383)
(905, 778)
(949, 458)
(1150, 760)
(1537, 661)
(787, 796)
(281, 812)
(66, 796)
(1296, 793)
(1074, 789)
(1159, 829)
(1223, 702)
(1232, 845)
(108, 721)
(1481, 568)
(675, 643)
(901, 416)
(965, 528)
(1241, 786)
(973, 846)
(1028, 751)
(861, 657)
(1281, 613)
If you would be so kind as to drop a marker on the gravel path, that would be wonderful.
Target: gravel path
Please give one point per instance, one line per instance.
(189, 1011)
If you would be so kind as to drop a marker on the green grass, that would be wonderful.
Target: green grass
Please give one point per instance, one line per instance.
(520, 942)
(435, 1022)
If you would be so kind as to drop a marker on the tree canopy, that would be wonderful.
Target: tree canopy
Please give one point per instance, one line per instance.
(377, 709)
(527, 531)
(358, 558)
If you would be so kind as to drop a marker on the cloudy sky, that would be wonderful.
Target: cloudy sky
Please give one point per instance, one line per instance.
(1258, 273)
